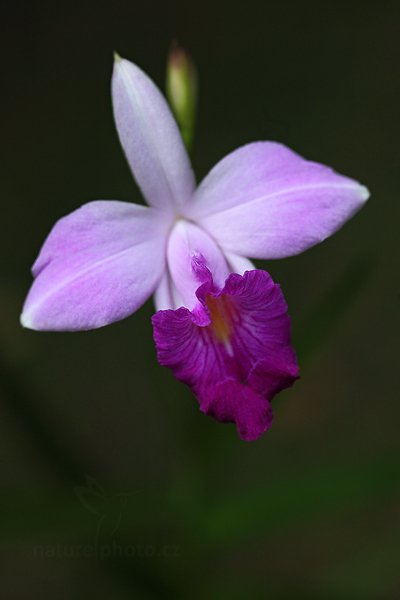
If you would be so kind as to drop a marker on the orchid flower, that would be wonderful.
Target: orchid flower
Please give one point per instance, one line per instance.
(222, 325)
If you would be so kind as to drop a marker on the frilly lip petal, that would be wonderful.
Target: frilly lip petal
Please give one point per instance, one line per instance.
(234, 352)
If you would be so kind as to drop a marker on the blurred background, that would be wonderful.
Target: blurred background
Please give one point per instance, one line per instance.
(113, 484)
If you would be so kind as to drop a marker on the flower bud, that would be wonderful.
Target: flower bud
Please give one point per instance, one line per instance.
(182, 90)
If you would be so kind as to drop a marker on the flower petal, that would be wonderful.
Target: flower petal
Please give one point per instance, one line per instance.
(265, 201)
(187, 241)
(236, 354)
(238, 264)
(166, 295)
(98, 265)
(229, 401)
(150, 138)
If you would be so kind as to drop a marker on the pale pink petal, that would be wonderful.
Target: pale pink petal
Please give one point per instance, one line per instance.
(265, 201)
(238, 264)
(98, 265)
(150, 138)
(166, 295)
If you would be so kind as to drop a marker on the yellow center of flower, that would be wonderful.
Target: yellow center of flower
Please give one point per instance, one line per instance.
(222, 312)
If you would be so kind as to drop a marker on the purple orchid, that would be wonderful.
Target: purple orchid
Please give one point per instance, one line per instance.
(222, 325)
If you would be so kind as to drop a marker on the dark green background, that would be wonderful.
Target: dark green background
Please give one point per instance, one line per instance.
(185, 509)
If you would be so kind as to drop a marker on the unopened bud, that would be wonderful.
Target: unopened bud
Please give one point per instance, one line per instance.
(182, 91)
